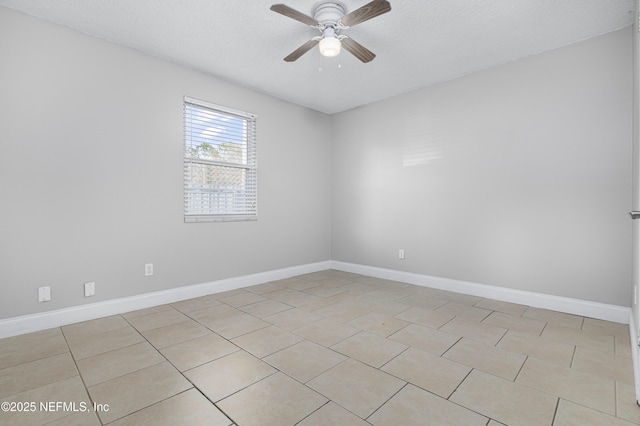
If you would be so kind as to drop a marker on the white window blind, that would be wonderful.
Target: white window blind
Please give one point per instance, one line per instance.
(220, 165)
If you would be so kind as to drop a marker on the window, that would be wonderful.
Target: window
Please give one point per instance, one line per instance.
(220, 167)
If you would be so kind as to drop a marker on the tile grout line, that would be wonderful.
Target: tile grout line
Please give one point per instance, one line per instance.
(392, 358)
(84, 384)
(462, 406)
(526, 358)
(442, 355)
(555, 412)
(573, 355)
(314, 411)
(387, 400)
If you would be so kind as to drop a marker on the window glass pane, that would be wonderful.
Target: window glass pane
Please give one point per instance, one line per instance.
(215, 136)
(220, 176)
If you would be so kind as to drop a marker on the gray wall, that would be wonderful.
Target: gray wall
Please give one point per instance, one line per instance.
(518, 176)
(91, 174)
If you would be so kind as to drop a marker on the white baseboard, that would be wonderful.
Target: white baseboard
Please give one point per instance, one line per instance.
(42, 321)
(585, 308)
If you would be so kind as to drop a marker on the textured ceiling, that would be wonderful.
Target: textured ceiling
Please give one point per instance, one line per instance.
(418, 43)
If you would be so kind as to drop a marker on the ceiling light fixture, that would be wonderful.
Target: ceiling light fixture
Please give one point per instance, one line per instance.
(329, 44)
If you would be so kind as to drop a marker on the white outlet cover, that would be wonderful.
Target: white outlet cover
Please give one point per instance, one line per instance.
(89, 289)
(44, 294)
(148, 269)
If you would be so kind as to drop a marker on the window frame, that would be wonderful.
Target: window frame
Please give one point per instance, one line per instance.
(250, 167)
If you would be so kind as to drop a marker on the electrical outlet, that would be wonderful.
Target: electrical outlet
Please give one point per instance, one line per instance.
(44, 294)
(401, 254)
(148, 269)
(89, 289)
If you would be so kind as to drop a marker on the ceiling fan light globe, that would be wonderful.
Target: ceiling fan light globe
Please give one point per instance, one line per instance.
(329, 46)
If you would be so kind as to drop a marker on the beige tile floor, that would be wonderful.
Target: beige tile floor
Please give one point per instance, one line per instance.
(329, 348)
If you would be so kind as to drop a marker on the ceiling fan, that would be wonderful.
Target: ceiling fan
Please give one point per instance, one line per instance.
(330, 19)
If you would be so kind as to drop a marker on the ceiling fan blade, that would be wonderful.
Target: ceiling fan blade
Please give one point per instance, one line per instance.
(366, 12)
(301, 50)
(358, 50)
(285, 10)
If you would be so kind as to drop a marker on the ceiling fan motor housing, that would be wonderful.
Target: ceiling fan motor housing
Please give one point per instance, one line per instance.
(328, 13)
